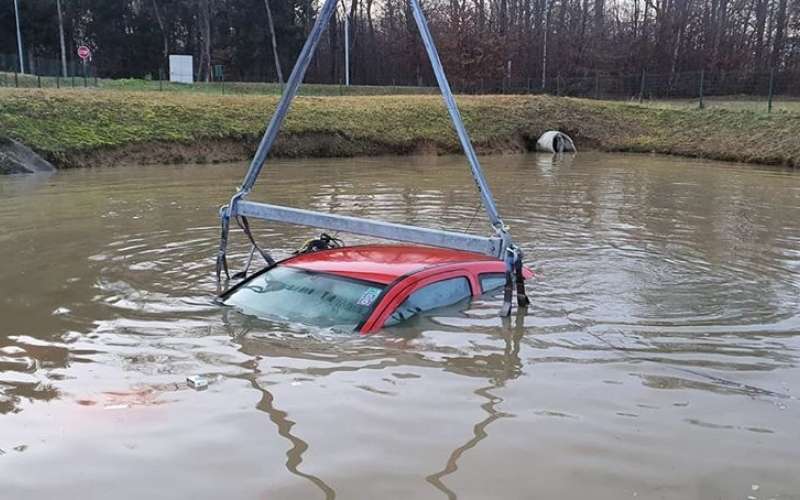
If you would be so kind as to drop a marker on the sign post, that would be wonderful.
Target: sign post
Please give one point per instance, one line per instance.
(219, 75)
(85, 54)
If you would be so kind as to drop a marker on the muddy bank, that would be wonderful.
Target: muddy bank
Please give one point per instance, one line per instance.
(96, 128)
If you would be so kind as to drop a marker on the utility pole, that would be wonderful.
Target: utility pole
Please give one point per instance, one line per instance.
(346, 49)
(61, 35)
(19, 38)
(544, 48)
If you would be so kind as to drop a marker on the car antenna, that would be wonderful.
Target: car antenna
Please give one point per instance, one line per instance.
(500, 245)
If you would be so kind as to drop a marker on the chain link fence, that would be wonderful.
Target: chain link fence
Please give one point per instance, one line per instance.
(752, 90)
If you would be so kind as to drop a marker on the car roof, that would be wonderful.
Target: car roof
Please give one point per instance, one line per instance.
(381, 263)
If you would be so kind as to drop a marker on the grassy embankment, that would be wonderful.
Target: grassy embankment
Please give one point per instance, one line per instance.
(87, 128)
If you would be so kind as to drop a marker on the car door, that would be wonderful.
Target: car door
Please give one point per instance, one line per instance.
(415, 297)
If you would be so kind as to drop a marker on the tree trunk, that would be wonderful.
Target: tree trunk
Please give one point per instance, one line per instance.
(599, 18)
(204, 70)
(780, 28)
(277, 59)
(164, 39)
(61, 39)
(761, 21)
(333, 38)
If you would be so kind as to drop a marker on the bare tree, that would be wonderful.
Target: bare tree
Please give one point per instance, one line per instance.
(164, 38)
(277, 59)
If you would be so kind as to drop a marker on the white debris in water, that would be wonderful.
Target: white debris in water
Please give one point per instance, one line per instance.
(197, 382)
(61, 311)
(70, 337)
(12, 350)
(755, 487)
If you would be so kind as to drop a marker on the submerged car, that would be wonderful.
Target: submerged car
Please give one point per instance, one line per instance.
(365, 288)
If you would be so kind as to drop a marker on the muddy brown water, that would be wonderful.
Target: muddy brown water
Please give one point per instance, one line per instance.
(658, 360)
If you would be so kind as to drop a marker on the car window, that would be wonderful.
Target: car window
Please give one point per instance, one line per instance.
(492, 281)
(315, 299)
(440, 294)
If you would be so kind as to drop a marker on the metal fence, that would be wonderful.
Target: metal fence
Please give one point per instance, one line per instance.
(755, 90)
(758, 91)
(45, 73)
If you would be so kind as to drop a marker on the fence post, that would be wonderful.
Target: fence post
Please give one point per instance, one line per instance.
(641, 87)
(58, 81)
(771, 89)
(702, 78)
(39, 81)
(558, 85)
(16, 79)
(596, 86)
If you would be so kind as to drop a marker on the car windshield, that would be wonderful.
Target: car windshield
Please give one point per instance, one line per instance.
(314, 299)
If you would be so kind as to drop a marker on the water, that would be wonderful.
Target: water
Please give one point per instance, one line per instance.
(659, 358)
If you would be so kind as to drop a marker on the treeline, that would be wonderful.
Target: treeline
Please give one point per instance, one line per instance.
(479, 40)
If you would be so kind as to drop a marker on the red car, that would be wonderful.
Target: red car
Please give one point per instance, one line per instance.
(365, 288)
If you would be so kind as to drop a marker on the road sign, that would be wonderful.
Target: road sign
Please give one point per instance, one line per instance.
(84, 52)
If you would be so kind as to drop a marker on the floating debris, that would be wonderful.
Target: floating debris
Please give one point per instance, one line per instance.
(197, 382)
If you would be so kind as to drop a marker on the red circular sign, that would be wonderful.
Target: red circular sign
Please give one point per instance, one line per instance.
(84, 52)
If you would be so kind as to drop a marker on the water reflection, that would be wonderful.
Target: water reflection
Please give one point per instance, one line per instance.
(500, 369)
(295, 454)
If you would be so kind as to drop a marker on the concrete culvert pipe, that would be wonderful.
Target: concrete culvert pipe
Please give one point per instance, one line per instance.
(554, 141)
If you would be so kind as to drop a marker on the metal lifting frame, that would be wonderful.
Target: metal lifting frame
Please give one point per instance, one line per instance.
(500, 245)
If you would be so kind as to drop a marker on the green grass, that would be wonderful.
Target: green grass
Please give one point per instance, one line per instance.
(96, 127)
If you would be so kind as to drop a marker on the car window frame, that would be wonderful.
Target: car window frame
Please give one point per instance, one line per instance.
(403, 287)
(470, 294)
(493, 274)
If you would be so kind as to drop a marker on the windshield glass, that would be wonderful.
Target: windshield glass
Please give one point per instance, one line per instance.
(315, 299)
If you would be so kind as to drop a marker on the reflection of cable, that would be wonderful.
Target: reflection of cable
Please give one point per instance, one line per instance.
(478, 434)
(294, 456)
(510, 371)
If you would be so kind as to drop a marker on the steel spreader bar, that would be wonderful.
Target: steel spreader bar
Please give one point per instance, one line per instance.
(455, 116)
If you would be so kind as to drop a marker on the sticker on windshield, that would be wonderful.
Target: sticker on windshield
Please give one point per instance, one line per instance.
(369, 296)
